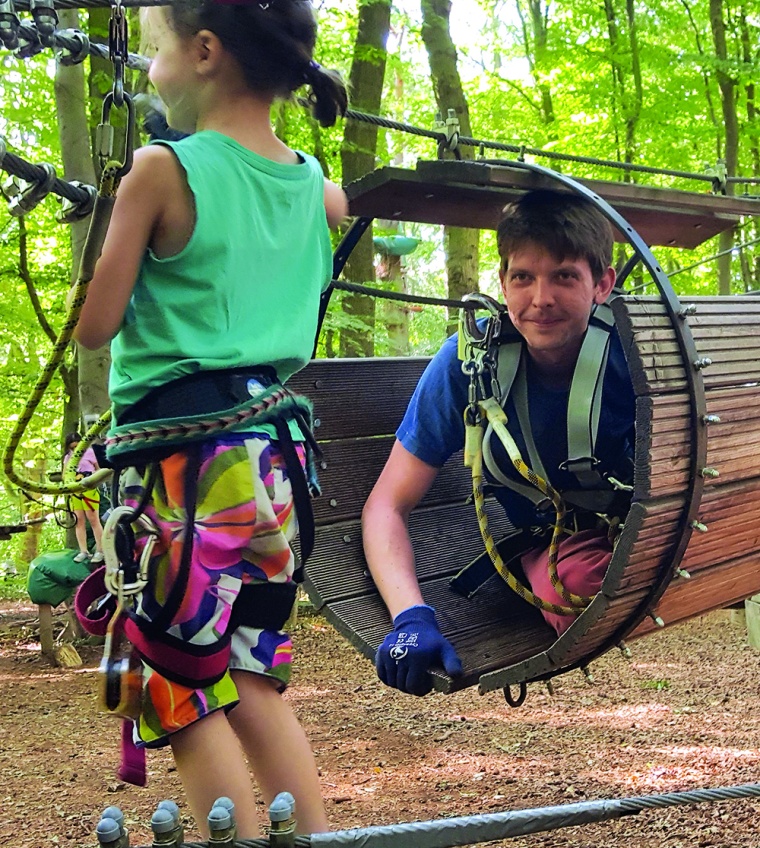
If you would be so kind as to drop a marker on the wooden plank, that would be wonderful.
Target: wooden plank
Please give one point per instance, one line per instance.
(724, 332)
(561, 656)
(350, 468)
(711, 589)
(472, 194)
(358, 397)
(488, 631)
(730, 443)
(445, 539)
(616, 615)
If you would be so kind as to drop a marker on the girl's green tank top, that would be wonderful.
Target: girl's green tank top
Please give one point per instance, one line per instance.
(245, 289)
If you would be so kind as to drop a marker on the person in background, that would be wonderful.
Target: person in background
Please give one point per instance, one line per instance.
(85, 505)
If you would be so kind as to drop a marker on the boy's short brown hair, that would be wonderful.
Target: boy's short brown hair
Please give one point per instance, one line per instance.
(566, 225)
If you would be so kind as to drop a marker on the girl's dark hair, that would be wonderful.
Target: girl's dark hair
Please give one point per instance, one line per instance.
(71, 437)
(273, 42)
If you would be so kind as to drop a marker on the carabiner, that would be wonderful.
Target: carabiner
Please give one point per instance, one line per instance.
(124, 166)
(115, 578)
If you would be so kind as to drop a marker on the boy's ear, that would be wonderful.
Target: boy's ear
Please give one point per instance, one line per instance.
(605, 286)
(503, 278)
(208, 50)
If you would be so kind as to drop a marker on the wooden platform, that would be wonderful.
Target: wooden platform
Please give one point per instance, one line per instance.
(472, 194)
(501, 639)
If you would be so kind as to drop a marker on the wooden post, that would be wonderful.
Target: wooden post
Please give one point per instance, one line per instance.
(47, 643)
(752, 609)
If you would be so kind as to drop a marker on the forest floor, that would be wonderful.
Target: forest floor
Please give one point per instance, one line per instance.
(683, 714)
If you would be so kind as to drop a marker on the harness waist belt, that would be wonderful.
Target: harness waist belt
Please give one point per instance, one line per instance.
(202, 393)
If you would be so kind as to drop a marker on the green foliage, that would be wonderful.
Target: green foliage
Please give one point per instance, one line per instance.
(26, 93)
(657, 685)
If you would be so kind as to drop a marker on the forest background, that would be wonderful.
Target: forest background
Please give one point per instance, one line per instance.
(669, 84)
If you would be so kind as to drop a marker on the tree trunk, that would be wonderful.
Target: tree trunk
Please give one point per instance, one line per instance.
(727, 87)
(74, 130)
(535, 43)
(626, 76)
(750, 93)
(358, 155)
(462, 245)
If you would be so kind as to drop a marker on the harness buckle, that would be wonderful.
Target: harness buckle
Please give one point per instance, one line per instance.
(579, 464)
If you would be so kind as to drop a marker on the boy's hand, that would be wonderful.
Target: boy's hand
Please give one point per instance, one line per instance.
(415, 645)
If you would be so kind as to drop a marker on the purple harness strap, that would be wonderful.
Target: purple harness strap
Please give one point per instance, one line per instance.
(132, 768)
(94, 619)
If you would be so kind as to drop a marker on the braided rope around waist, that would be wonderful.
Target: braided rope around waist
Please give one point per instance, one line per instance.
(275, 403)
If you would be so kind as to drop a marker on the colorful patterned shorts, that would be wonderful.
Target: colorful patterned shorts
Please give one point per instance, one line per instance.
(244, 523)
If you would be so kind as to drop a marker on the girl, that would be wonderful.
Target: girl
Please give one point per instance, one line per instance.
(209, 283)
(86, 504)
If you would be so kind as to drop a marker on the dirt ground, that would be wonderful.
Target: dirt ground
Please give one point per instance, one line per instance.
(684, 713)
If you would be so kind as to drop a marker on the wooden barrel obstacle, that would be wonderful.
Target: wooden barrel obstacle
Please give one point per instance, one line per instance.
(689, 543)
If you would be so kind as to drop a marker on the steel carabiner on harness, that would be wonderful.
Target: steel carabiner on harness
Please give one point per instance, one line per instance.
(478, 348)
(125, 576)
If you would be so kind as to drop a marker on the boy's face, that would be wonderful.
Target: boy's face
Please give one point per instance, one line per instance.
(549, 302)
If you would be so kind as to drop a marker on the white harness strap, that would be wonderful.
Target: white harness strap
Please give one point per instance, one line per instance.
(584, 407)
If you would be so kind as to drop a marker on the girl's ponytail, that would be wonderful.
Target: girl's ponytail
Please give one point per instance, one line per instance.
(328, 97)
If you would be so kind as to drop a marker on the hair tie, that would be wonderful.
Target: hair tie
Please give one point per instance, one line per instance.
(312, 68)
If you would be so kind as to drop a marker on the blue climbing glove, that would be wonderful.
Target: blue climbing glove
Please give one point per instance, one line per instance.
(415, 646)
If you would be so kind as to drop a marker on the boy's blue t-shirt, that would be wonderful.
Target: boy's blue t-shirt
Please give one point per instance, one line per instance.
(433, 427)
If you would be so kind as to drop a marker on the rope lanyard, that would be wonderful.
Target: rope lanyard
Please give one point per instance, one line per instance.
(488, 411)
(478, 351)
(112, 174)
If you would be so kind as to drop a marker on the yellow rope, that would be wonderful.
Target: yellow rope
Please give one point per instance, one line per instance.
(94, 244)
(492, 412)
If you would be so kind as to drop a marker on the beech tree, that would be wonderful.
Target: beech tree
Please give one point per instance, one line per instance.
(359, 157)
(461, 244)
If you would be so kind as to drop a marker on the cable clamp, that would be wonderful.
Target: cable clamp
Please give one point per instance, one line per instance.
(451, 130)
(719, 176)
(9, 25)
(45, 19)
(77, 49)
(75, 210)
(29, 43)
(24, 195)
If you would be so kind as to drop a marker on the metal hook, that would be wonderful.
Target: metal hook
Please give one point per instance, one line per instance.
(522, 693)
(106, 150)
(118, 50)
